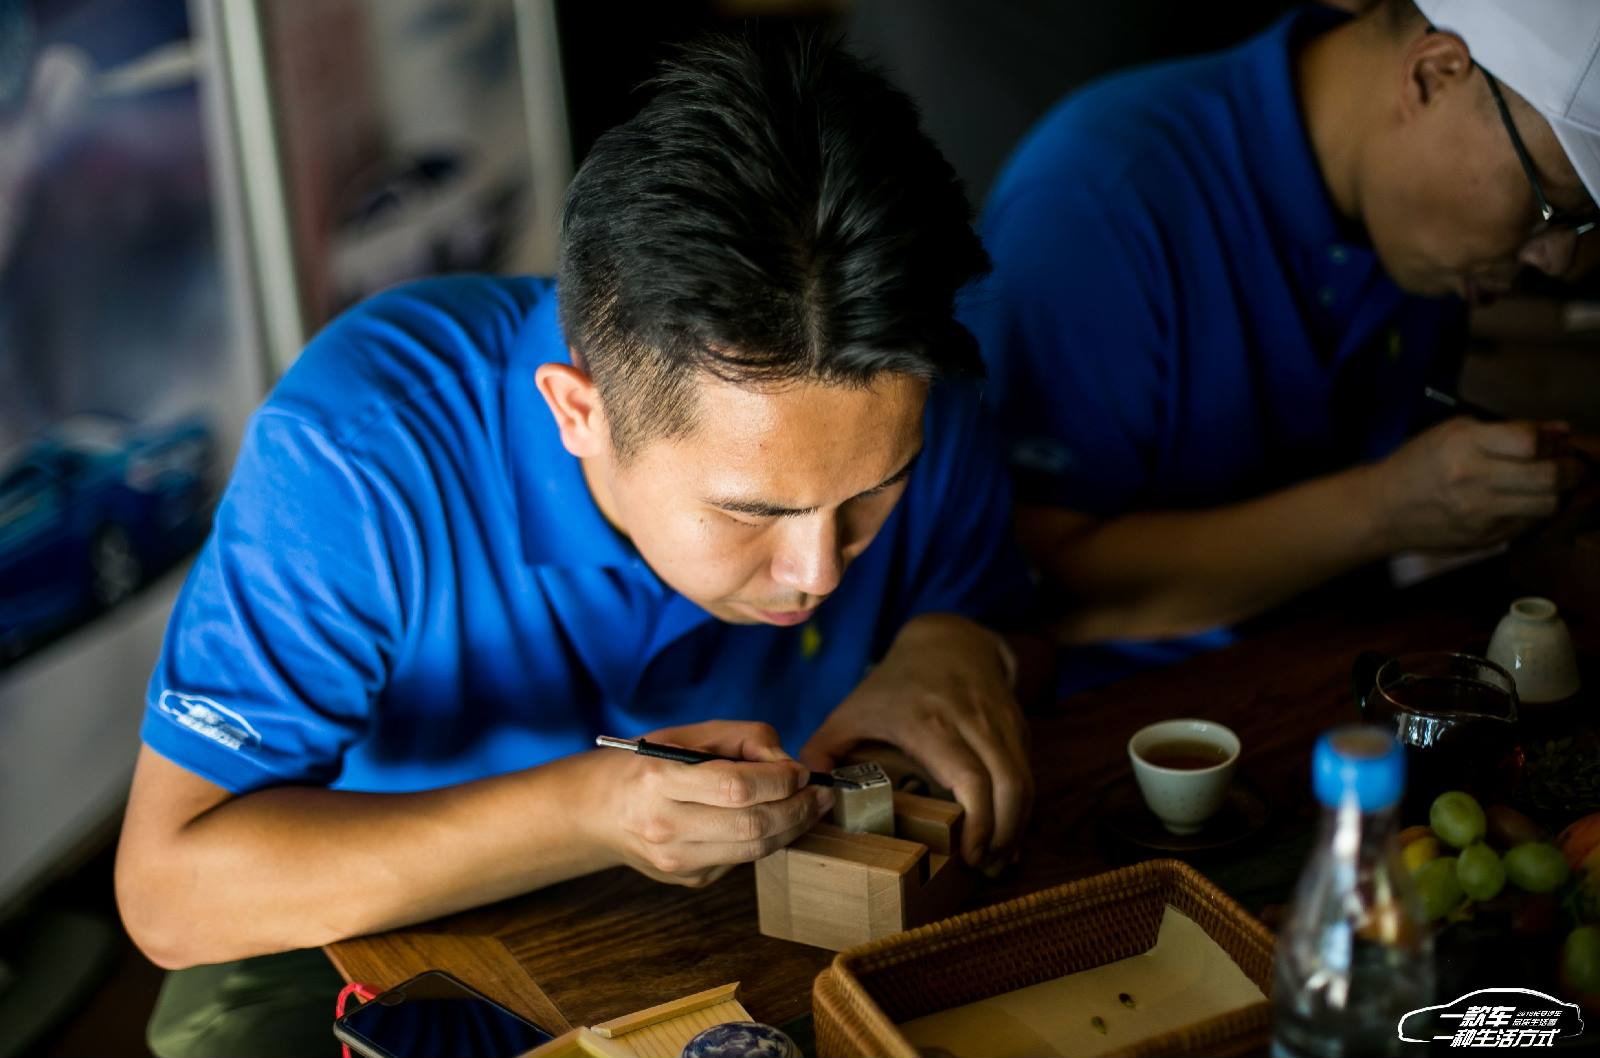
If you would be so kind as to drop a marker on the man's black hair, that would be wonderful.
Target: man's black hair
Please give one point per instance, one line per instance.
(773, 214)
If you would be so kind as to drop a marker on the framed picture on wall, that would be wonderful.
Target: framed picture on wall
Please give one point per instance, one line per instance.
(393, 139)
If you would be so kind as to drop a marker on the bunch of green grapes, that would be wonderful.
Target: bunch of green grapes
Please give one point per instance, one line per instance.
(1491, 849)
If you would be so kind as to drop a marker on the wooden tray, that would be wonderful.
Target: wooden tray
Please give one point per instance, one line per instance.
(861, 1000)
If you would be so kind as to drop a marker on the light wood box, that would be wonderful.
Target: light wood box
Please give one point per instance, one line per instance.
(658, 1032)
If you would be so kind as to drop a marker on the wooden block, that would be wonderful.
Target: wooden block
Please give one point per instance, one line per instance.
(934, 823)
(835, 889)
(888, 904)
(866, 806)
(869, 850)
(835, 903)
(772, 895)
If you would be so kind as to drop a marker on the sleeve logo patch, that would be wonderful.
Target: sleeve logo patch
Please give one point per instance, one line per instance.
(205, 717)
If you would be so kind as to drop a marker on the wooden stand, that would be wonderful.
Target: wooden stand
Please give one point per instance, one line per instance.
(659, 1032)
(835, 889)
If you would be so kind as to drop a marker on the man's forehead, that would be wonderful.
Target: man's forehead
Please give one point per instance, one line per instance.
(786, 437)
(824, 412)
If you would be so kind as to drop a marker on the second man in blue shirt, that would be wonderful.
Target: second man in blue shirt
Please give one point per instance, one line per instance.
(1219, 289)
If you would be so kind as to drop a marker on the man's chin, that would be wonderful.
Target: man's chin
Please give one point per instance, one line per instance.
(733, 617)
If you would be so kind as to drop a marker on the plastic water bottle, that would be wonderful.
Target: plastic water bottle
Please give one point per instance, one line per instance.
(1355, 955)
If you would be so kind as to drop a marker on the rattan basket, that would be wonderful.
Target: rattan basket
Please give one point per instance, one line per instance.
(859, 1000)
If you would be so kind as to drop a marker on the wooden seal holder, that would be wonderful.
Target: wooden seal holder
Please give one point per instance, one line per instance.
(836, 889)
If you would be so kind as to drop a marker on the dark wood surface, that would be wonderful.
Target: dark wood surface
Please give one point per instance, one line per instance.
(613, 943)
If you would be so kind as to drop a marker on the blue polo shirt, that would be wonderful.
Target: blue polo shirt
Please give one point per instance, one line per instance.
(1177, 317)
(408, 584)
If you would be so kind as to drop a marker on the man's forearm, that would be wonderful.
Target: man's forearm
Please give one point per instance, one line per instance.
(294, 867)
(1166, 573)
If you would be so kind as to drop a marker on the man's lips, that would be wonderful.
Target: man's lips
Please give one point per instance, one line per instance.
(1475, 291)
(783, 617)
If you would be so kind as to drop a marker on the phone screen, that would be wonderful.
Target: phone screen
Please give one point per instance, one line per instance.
(435, 1016)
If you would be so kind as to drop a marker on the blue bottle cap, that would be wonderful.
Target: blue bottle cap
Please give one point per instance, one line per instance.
(1359, 760)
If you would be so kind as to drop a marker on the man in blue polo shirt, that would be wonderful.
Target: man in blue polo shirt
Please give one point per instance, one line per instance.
(721, 485)
(1221, 285)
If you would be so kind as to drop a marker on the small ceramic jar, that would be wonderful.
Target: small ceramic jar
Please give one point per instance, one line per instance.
(1533, 644)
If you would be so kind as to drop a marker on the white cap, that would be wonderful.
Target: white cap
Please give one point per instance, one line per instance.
(1548, 51)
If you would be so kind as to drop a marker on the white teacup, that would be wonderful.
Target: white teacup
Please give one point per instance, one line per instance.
(1184, 768)
(1533, 644)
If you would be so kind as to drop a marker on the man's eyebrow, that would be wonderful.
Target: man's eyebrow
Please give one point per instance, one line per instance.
(760, 509)
(893, 479)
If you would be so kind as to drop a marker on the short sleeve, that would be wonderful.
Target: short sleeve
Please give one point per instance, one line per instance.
(1073, 323)
(961, 554)
(283, 634)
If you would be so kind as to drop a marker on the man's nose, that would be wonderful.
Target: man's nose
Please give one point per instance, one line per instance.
(809, 559)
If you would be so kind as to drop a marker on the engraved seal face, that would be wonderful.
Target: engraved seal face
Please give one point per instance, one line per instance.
(867, 805)
(862, 775)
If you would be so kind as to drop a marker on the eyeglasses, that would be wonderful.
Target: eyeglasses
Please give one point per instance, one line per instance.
(1553, 219)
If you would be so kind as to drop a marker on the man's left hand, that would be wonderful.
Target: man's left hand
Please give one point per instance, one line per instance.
(943, 695)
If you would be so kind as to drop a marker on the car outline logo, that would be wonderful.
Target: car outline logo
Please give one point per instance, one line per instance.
(204, 716)
(1400, 1026)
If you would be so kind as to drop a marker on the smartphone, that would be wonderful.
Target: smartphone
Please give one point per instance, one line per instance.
(435, 1016)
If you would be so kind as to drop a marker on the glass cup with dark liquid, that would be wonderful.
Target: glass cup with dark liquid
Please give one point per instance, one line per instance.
(1456, 716)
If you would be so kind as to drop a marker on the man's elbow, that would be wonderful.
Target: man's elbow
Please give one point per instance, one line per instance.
(152, 917)
(155, 897)
(167, 913)
(159, 943)
(164, 956)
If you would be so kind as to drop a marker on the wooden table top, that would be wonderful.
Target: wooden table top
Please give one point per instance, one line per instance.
(605, 945)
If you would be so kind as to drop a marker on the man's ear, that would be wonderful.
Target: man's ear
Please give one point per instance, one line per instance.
(1434, 63)
(574, 402)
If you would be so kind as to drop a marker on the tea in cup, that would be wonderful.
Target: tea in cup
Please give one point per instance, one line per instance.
(1184, 769)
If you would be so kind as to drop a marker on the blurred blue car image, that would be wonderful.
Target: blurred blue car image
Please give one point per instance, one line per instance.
(91, 509)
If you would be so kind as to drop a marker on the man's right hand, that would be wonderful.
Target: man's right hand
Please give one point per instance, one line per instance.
(688, 823)
(1467, 484)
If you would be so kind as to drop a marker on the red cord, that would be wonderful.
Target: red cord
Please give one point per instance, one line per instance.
(365, 993)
